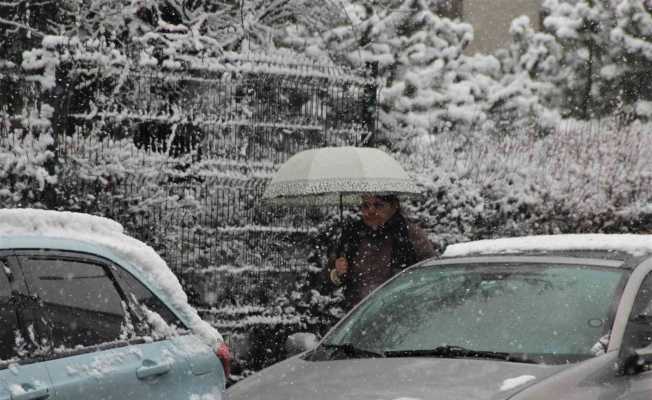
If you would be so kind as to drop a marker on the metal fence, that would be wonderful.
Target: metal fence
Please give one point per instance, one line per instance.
(181, 158)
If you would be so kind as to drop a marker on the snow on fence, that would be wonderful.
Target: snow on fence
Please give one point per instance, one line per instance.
(180, 157)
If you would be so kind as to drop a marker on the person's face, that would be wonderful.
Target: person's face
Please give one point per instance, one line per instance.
(376, 211)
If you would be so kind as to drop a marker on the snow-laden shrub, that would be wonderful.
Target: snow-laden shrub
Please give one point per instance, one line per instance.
(24, 173)
(581, 178)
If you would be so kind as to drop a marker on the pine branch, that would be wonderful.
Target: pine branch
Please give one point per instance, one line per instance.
(272, 11)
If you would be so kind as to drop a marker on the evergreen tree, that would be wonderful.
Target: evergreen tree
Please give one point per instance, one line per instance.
(427, 85)
(23, 24)
(529, 81)
(630, 75)
(582, 28)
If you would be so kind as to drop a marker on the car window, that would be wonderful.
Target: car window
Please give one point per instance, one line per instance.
(8, 320)
(78, 301)
(553, 312)
(141, 296)
(639, 328)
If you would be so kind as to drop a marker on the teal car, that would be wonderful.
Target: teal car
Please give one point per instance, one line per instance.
(78, 320)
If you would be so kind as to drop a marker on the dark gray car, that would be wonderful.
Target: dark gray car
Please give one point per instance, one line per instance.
(564, 316)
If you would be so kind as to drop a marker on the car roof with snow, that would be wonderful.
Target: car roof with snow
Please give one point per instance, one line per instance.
(62, 230)
(57, 243)
(611, 249)
(40, 242)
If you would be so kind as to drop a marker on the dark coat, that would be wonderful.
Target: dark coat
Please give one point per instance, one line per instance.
(374, 256)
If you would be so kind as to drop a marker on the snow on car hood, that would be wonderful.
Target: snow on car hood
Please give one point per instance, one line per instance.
(109, 234)
(390, 379)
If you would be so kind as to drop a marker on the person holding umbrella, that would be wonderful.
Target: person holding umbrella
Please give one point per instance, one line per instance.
(382, 241)
(375, 247)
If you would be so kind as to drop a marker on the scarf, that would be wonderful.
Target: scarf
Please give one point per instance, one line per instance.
(403, 252)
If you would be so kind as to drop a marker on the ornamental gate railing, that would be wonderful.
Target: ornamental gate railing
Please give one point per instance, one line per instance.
(181, 156)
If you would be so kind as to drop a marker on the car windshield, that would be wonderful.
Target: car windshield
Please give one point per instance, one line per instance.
(516, 312)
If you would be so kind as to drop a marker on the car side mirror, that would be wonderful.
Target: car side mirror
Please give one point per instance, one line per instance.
(300, 342)
(638, 360)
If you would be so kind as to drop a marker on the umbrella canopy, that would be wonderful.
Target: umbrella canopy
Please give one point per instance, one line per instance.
(335, 176)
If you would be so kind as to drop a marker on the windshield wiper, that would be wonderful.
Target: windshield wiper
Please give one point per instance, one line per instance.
(351, 351)
(449, 351)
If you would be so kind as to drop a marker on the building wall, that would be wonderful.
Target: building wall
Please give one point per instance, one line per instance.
(491, 20)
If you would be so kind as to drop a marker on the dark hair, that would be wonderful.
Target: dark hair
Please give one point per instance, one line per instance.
(388, 197)
(392, 199)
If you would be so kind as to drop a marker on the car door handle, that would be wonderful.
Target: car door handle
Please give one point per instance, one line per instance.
(30, 392)
(151, 368)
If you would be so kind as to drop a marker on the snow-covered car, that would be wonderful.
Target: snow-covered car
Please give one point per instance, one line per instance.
(87, 312)
(530, 318)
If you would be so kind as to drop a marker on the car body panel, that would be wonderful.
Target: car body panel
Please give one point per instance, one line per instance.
(626, 302)
(387, 378)
(593, 379)
(201, 359)
(24, 381)
(639, 387)
(107, 373)
(144, 371)
(174, 368)
(448, 378)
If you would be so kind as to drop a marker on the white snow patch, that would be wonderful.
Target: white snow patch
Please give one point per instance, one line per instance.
(214, 394)
(511, 383)
(16, 390)
(628, 243)
(644, 108)
(301, 341)
(160, 328)
(105, 363)
(406, 398)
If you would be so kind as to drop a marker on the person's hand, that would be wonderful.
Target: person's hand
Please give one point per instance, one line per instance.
(341, 266)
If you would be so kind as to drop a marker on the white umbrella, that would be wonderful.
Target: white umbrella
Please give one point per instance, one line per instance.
(337, 176)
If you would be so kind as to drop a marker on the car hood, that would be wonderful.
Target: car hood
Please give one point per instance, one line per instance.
(390, 379)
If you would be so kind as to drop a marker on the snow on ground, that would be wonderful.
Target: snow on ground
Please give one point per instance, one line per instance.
(628, 243)
(109, 234)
